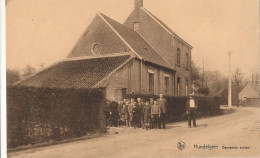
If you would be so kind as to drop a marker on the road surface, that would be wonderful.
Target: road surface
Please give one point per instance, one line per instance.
(240, 129)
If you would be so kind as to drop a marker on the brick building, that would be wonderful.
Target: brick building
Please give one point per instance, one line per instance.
(123, 58)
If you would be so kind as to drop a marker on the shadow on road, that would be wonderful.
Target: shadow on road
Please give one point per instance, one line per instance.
(172, 126)
(202, 125)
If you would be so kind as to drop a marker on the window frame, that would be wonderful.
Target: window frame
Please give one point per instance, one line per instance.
(186, 87)
(187, 61)
(178, 86)
(178, 57)
(151, 82)
(166, 84)
(136, 27)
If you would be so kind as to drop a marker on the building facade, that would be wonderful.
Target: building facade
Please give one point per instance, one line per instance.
(123, 58)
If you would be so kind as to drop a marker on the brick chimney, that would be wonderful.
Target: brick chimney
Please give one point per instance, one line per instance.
(138, 4)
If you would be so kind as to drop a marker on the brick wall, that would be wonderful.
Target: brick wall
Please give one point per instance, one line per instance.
(166, 45)
(121, 79)
(98, 32)
(153, 33)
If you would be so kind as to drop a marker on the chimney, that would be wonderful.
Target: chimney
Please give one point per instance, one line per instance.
(138, 4)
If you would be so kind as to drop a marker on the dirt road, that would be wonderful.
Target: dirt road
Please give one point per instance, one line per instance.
(240, 129)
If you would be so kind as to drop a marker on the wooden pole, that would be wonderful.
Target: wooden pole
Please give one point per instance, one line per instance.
(229, 83)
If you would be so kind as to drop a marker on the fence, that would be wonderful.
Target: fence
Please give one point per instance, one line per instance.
(36, 115)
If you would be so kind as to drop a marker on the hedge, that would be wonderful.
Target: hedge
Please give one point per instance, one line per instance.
(36, 115)
(207, 106)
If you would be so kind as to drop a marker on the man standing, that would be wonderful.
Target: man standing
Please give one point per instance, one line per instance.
(191, 111)
(114, 112)
(163, 105)
(135, 113)
(140, 113)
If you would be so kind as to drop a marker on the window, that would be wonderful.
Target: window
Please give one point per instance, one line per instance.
(96, 48)
(187, 61)
(136, 27)
(178, 85)
(129, 78)
(186, 87)
(166, 84)
(178, 57)
(151, 83)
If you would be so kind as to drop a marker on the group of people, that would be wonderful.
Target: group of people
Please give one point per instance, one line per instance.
(146, 114)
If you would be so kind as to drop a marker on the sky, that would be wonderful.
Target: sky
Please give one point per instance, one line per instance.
(44, 31)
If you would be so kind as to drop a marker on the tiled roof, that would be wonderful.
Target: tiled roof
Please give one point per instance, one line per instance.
(75, 73)
(138, 44)
(165, 26)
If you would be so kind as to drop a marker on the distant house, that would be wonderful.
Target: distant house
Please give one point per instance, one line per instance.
(141, 56)
(250, 94)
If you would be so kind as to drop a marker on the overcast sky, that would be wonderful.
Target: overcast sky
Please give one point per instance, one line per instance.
(44, 31)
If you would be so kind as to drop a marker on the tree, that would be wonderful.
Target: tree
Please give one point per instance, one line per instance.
(198, 80)
(28, 71)
(12, 76)
(237, 84)
(208, 82)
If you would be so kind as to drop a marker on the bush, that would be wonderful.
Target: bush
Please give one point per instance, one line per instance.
(37, 115)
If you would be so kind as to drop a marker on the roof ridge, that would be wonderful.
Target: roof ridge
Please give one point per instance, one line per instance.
(169, 30)
(157, 52)
(166, 29)
(101, 15)
(98, 56)
(139, 36)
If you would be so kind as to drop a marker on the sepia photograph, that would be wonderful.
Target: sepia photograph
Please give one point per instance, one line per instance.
(130, 78)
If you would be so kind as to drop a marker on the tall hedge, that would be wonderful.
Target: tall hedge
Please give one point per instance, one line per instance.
(207, 106)
(37, 115)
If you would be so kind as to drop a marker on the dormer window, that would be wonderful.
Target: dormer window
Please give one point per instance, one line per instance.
(136, 27)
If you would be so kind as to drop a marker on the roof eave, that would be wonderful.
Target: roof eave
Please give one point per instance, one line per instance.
(165, 67)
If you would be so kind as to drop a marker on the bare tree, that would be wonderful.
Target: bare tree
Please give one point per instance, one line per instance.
(198, 80)
(28, 71)
(12, 76)
(237, 84)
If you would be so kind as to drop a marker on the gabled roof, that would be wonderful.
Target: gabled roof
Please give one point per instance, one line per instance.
(136, 43)
(162, 24)
(256, 87)
(81, 73)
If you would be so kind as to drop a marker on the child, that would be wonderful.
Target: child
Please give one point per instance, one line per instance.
(124, 114)
(156, 113)
(147, 114)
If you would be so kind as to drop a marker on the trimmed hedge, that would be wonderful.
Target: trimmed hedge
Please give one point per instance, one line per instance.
(36, 115)
(207, 106)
